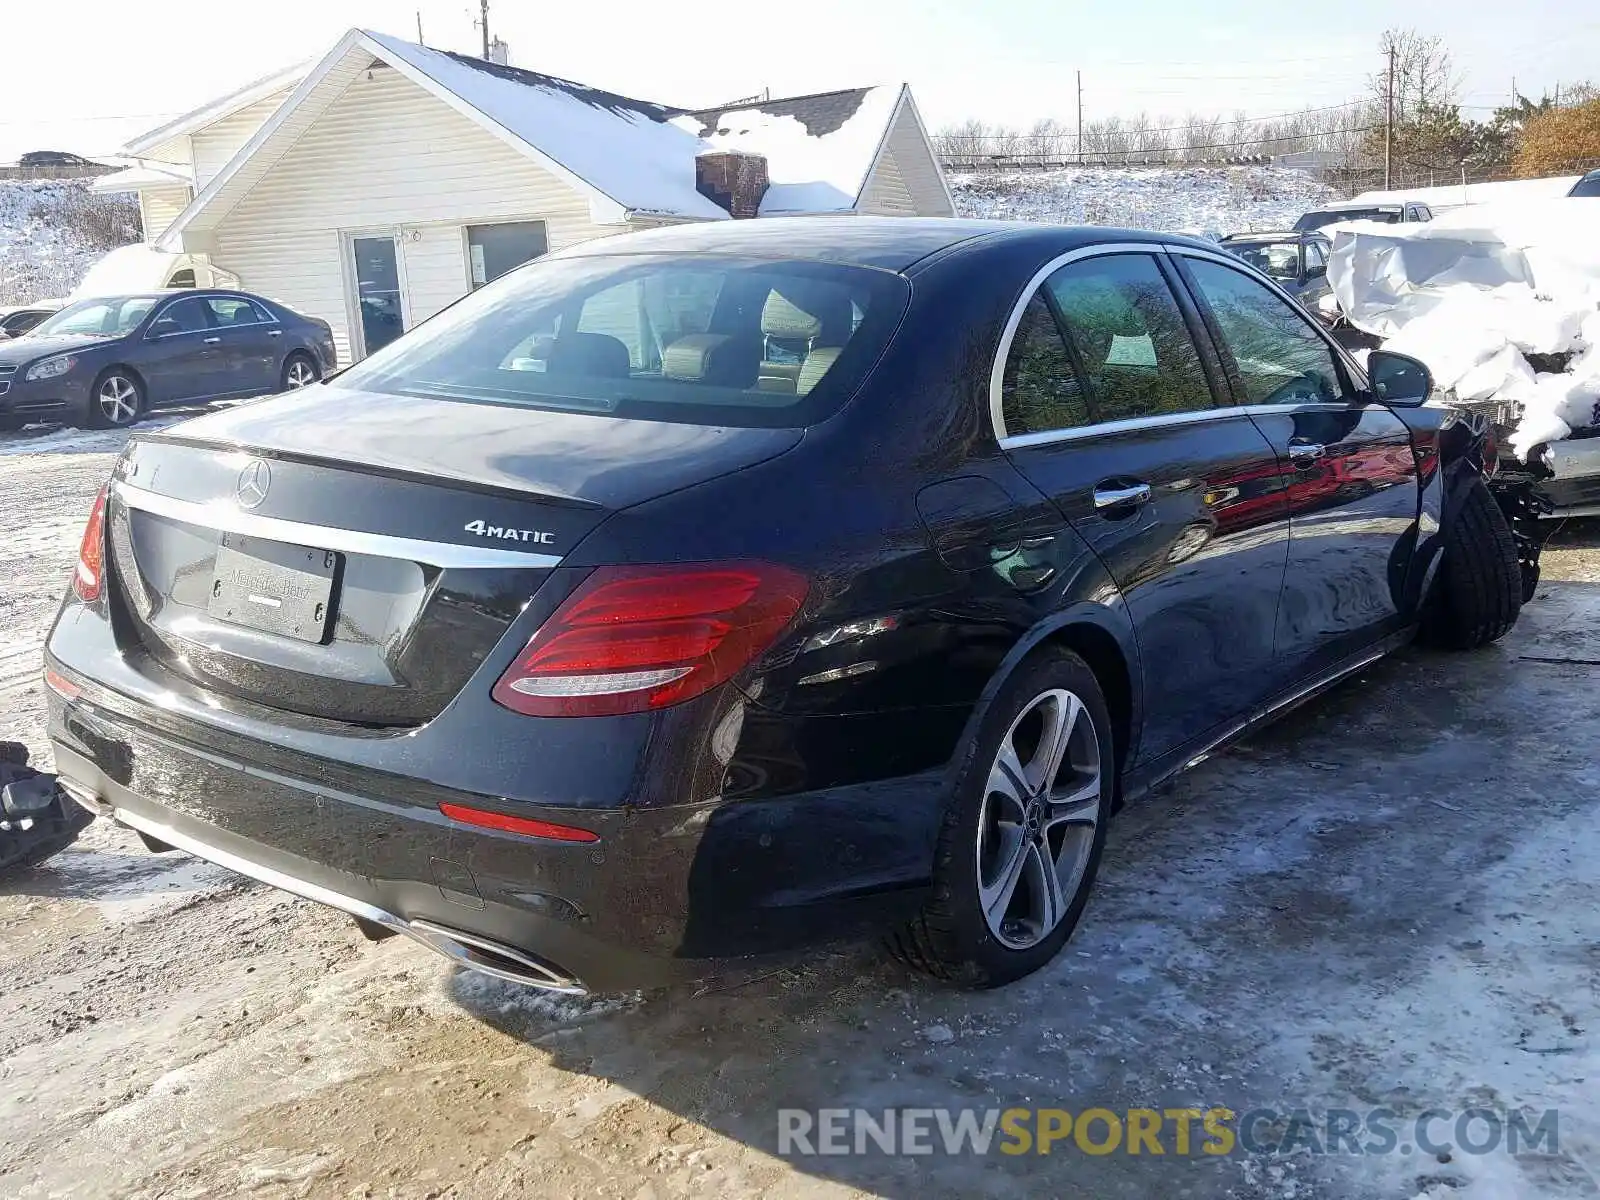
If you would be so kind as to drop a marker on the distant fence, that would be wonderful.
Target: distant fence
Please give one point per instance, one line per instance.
(1053, 162)
(92, 171)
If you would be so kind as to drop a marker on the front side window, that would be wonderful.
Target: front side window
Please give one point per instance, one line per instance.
(495, 249)
(1280, 358)
(699, 339)
(1128, 335)
(99, 318)
(1316, 261)
(189, 315)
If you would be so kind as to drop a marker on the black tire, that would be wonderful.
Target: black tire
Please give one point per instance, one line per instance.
(951, 939)
(1480, 588)
(102, 412)
(294, 370)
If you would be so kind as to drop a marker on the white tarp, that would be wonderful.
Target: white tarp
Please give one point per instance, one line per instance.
(1475, 291)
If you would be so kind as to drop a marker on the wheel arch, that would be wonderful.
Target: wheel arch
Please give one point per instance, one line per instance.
(1103, 636)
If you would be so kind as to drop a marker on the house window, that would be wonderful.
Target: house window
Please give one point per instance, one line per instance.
(492, 250)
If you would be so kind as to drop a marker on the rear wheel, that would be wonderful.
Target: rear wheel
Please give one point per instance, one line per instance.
(1479, 591)
(1024, 832)
(116, 400)
(299, 370)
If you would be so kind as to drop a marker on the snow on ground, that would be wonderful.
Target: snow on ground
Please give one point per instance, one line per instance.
(1217, 200)
(46, 241)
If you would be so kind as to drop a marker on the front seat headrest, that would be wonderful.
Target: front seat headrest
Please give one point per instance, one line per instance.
(594, 354)
(719, 359)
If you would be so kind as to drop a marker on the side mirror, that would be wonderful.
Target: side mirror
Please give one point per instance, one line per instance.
(163, 327)
(1399, 379)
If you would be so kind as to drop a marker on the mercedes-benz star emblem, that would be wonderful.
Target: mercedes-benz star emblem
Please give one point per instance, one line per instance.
(254, 480)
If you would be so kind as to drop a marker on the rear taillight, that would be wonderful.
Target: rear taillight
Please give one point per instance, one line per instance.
(87, 577)
(632, 639)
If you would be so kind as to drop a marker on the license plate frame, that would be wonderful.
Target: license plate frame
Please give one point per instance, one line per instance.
(275, 587)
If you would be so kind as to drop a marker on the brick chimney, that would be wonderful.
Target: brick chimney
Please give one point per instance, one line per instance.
(732, 179)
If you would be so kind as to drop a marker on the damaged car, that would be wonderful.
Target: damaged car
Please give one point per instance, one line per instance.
(724, 589)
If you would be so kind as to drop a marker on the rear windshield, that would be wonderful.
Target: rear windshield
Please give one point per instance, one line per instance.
(697, 339)
(1589, 185)
(1316, 220)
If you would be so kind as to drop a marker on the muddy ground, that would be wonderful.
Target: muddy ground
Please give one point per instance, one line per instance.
(1390, 898)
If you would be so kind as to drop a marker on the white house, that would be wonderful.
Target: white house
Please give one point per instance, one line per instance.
(377, 185)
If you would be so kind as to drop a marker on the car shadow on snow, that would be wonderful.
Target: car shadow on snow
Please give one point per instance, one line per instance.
(1268, 932)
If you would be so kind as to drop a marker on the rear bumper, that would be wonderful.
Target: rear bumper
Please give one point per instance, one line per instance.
(663, 893)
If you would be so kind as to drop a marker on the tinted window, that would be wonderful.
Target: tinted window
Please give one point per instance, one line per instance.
(1589, 185)
(187, 316)
(1316, 261)
(236, 310)
(495, 249)
(660, 337)
(1040, 391)
(1129, 337)
(1280, 357)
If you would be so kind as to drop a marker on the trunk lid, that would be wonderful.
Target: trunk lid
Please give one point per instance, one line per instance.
(355, 557)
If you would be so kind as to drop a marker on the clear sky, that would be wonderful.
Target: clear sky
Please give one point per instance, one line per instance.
(85, 75)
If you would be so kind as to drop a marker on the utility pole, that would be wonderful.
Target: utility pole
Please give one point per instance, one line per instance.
(484, 22)
(1388, 125)
(420, 42)
(1080, 118)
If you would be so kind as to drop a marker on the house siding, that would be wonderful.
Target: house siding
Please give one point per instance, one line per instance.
(387, 155)
(213, 146)
(906, 180)
(160, 206)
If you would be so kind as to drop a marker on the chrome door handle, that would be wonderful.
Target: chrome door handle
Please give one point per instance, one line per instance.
(1306, 454)
(1111, 497)
(216, 341)
(274, 333)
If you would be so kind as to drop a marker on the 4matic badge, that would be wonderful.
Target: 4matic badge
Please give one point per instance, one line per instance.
(537, 536)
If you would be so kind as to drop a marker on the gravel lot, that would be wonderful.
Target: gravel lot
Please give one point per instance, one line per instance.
(1390, 898)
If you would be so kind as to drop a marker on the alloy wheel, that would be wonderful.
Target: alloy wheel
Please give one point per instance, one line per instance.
(118, 399)
(1036, 827)
(300, 374)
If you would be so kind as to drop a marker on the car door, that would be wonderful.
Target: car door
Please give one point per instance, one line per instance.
(249, 346)
(1350, 472)
(1107, 408)
(178, 357)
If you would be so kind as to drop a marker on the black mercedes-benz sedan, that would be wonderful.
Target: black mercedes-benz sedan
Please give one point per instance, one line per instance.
(714, 591)
(107, 361)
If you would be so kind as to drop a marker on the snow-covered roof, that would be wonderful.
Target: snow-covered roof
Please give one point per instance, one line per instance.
(819, 149)
(629, 150)
(629, 156)
(216, 110)
(143, 176)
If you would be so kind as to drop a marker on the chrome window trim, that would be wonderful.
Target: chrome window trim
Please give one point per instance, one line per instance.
(998, 371)
(223, 515)
(1079, 432)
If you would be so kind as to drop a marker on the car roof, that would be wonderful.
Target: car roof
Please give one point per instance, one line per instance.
(889, 243)
(1379, 205)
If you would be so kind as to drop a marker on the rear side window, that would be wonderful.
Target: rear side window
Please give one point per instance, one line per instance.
(699, 339)
(1126, 330)
(1041, 391)
(1280, 358)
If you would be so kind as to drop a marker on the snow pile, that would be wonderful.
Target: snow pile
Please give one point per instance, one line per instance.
(51, 232)
(1213, 200)
(1476, 292)
(807, 172)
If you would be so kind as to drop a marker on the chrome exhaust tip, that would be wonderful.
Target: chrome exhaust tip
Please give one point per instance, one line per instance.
(475, 953)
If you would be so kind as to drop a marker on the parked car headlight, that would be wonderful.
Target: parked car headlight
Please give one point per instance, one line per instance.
(52, 367)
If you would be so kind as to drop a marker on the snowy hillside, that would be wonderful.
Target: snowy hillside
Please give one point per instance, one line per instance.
(1215, 199)
(51, 232)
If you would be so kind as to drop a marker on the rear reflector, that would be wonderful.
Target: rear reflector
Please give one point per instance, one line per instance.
(60, 684)
(523, 825)
(86, 577)
(632, 639)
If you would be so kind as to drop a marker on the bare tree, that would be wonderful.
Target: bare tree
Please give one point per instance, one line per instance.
(1424, 73)
(1047, 140)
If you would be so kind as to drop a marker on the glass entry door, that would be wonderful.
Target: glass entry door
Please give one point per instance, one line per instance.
(375, 263)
